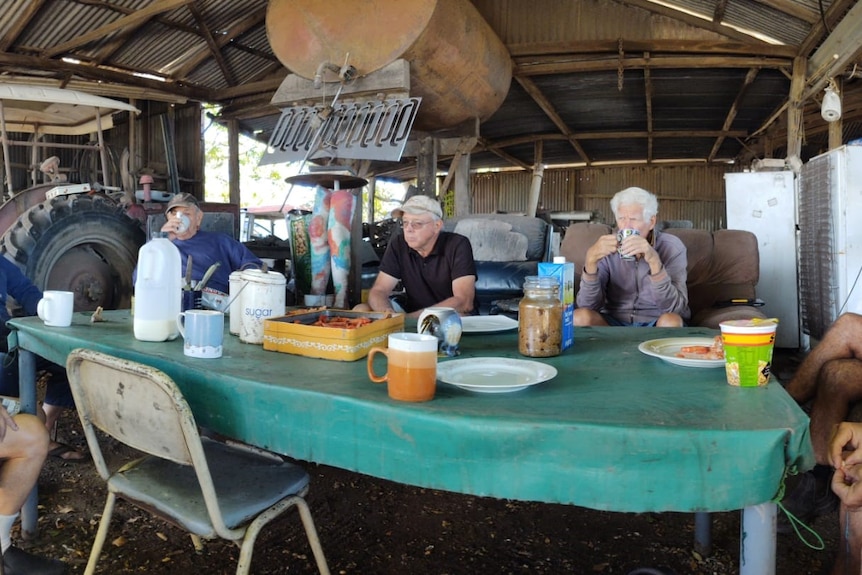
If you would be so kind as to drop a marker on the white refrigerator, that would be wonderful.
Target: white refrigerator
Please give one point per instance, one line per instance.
(764, 203)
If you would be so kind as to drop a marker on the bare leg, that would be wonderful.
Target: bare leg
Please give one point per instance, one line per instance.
(586, 317)
(839, 385)
(842, 341)
(669, 320)
(848, 559)
(24, 453)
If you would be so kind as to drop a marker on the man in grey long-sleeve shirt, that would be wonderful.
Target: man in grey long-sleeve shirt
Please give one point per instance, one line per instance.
(639, 281)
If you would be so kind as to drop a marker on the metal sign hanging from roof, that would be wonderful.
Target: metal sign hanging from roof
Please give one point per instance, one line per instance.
(371, 130)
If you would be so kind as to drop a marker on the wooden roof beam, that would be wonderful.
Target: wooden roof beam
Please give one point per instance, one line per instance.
(20, 23)
(198, 57)
(552, 113)
(691, 20)
(213, 48)
(734, 110)
(840, 49)
(135, 19)
(99, 74)
(568, 65)
(662, 46)
(495, 149)
(815, 35)
(793, 9)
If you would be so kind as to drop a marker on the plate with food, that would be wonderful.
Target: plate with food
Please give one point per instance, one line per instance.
(686, 351)
(494, 374)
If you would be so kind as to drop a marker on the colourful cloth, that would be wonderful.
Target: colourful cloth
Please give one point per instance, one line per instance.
(342, 204)
(317, 237)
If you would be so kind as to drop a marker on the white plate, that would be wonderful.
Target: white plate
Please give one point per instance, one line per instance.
(494, 374)
(666, 349)
(487, 323)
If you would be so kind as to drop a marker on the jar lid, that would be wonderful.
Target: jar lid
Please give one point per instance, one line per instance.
(541, 282)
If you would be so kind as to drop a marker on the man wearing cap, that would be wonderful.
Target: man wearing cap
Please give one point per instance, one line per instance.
(436, 268)
(183, 224)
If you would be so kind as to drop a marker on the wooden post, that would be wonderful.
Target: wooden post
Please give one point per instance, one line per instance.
(233, 174)
(836, 128)
(463, 191)
(536, 185)
(794, 109)
(426, 163)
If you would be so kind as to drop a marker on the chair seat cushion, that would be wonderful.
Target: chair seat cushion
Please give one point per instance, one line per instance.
(246, 483)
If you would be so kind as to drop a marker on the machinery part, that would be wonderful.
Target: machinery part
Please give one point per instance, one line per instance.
(458, 66)
(80, 243)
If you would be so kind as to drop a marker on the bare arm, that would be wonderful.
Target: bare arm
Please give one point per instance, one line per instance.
(463, 293)
(378, 295)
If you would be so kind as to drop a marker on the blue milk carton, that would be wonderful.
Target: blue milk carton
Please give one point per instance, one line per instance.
(564, 272)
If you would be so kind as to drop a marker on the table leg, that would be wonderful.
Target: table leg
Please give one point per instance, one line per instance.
(703, 533)
(757, 541)
(27, 385)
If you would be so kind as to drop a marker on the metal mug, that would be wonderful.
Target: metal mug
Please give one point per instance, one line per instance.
(445, 324)
(622, 235)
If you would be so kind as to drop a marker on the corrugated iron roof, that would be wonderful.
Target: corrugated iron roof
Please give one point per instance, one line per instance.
(608, 81)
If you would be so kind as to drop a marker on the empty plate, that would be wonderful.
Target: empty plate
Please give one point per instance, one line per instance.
(494, 374)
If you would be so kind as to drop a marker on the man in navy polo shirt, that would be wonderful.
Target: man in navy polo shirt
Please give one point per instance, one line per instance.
(436, 268)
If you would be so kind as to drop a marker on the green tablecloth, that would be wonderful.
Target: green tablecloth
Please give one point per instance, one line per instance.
(615, 430)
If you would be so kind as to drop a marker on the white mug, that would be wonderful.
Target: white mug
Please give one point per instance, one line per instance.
(203, 332)
(56, 307)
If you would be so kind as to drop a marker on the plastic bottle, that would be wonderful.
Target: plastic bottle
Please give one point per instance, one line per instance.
(158, 288)
(540, 319)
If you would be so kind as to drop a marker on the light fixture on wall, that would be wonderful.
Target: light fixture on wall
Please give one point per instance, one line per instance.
(830, 108)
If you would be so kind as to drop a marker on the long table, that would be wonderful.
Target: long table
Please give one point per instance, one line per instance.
(615, 429)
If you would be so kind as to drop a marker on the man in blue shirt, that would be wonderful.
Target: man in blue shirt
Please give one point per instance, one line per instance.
(183, 224)
(58, 395)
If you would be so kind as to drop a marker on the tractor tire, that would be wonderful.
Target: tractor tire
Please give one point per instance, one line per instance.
(81, 243)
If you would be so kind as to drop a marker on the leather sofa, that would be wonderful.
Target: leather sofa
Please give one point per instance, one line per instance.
(507, 248)
(723, 266)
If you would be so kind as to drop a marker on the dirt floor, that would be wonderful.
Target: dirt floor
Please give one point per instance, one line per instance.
(370, 526)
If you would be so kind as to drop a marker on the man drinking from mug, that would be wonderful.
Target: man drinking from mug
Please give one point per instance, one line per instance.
(638, 278)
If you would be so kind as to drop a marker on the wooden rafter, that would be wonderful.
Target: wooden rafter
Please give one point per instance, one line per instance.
(238, 29)
(691, 20)
(482, 143)
(20, 23)
(841, 48)
(734, 109)
(552, 113)
(791, 8)
(574, 65)
(212, 46)
(134, 19)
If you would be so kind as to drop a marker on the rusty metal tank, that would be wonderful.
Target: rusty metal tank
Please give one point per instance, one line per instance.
(458, 65)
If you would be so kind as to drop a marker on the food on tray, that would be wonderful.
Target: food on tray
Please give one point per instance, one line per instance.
(340, 322)
(714, 351)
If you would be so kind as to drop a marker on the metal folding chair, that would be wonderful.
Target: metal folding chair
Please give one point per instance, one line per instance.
(209, 488)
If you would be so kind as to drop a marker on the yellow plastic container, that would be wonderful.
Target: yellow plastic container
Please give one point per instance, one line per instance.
(294, 334)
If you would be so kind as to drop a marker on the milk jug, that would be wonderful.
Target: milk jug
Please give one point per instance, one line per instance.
(158, 288)
(261, 299)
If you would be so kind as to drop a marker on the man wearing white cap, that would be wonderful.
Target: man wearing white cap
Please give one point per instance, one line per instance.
(436, 268)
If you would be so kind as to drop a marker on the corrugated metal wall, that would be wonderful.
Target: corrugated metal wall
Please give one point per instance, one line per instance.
(693, 193)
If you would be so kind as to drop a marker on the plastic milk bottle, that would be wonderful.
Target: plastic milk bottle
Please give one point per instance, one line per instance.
(158, 291)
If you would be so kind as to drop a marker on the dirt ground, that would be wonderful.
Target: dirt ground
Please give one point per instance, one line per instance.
(370, 526)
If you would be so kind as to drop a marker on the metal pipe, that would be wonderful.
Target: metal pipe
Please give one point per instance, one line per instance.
(6, 160)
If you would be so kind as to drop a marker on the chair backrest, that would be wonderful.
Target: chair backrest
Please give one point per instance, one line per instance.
(135, 404)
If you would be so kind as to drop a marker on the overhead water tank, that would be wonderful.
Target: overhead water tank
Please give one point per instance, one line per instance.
(458, 65)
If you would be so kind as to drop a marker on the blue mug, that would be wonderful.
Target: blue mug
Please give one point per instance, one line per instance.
(203, 332)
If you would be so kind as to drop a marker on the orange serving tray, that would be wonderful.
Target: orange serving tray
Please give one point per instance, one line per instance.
(293, 333)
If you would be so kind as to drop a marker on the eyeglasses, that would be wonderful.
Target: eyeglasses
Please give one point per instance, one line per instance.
(414, 225)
